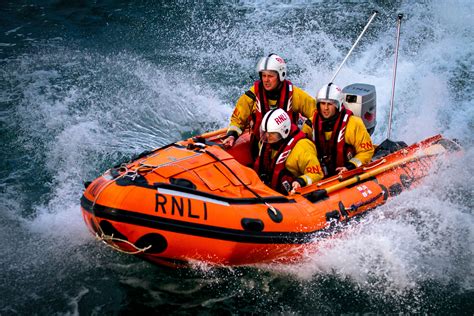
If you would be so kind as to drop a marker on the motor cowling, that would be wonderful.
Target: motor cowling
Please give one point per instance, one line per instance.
(360, 98)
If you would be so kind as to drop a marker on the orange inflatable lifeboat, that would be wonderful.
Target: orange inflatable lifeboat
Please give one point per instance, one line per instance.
(192, 201)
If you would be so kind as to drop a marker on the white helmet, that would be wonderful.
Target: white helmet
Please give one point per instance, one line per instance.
(272, 62)
(332, 93)
(275, 121)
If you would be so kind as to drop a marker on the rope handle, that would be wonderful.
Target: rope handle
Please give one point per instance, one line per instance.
(110, 240)
(375, 165)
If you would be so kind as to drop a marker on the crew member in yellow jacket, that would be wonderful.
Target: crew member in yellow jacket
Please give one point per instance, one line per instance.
(341, 139)
(287, 158)
(272, 91)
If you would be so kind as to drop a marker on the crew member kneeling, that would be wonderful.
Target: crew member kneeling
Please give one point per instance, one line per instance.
(341, 139)
(287, 159)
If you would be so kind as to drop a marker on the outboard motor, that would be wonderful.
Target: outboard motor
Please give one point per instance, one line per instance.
(360, 98)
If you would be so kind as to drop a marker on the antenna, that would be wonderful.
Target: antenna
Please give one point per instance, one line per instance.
(400, 17)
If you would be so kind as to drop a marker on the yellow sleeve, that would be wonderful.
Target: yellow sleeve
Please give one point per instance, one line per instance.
(358, 137)
(303, 162)
(303, 103)
(244, 107)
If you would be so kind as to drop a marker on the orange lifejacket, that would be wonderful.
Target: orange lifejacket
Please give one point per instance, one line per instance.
(332, 153)
(272, 171)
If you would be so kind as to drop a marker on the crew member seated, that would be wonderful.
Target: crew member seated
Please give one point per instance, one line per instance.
(341, 138)
(286, 159)
(273, 90)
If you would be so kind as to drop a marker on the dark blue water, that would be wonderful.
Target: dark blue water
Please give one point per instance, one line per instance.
(84, 84)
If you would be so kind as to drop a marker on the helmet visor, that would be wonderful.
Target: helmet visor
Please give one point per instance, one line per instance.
(270, 137)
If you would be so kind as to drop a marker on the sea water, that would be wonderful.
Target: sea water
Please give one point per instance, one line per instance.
(85, 84)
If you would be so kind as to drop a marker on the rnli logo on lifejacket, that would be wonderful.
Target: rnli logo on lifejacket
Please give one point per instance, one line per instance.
(182, 207)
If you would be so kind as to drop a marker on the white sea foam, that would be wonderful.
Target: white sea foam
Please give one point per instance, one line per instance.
(79, 111)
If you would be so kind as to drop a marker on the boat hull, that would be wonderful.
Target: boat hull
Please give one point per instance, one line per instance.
(194, 202)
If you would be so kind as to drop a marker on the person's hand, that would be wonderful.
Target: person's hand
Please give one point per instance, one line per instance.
(340, 170)
(228, 142)
(294, 186)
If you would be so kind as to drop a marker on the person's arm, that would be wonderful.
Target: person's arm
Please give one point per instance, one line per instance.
(304, 164)
(304, 104)
(240, 117)
(359, 138)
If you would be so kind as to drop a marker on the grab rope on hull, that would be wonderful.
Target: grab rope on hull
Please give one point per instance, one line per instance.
(110, 240)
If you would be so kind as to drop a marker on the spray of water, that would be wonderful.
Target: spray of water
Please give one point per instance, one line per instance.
(79, 111)
(424, 235)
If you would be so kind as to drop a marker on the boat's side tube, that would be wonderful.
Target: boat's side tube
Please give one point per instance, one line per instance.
(432, 150)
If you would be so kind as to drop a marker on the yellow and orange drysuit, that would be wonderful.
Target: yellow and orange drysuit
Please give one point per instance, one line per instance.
(345, 144)
(254, 103)
(294, 160)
